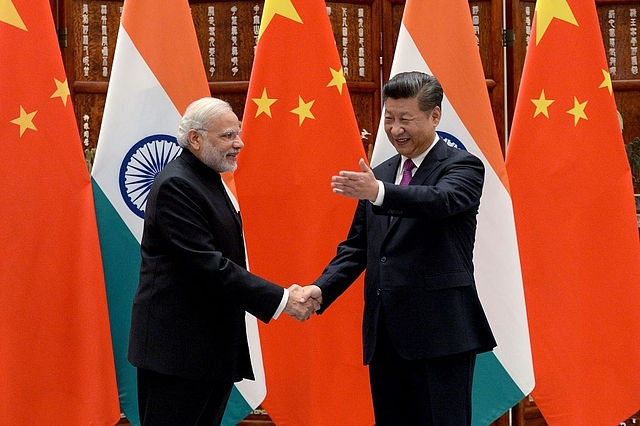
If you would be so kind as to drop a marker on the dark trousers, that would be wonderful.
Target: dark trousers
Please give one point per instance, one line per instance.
(165, 400)
(425, 392)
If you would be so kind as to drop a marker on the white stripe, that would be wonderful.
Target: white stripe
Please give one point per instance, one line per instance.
(253, 391)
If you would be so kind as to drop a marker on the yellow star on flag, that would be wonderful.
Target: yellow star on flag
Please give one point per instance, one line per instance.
(264, 103)
(547, 10)
(606, 82)
(542, 105)
(10, 15)
(578, 111)
(338, 79)
(304, 110)
(25, 121)
(62, 90)
(277, 7)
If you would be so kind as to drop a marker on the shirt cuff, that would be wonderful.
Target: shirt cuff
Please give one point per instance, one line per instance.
(380, 197)
(283, 303)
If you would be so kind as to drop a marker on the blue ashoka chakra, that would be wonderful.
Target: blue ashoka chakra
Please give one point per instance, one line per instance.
(140, 167)
(451, 140)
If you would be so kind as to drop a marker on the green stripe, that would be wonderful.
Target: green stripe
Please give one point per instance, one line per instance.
(494, 392)
(121, 261)
(237, 409)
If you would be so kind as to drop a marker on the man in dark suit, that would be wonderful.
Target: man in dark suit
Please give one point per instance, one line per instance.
(423, 321)
(188, 337)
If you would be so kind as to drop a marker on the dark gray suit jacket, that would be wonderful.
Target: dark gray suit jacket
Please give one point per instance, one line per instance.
(419, 270)
(188, 316)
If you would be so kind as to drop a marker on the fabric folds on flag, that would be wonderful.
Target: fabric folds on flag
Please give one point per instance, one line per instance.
(299, 129)
(157, 72)
(56, 362)
(437, 37)
(576, 222)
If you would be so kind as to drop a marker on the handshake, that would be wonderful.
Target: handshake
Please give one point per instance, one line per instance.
(303, 301)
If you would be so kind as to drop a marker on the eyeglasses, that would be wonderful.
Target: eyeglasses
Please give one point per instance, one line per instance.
(229, 135)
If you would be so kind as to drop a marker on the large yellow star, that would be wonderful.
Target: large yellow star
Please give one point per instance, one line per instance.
(25, 121)
(10, 15)
(62, 91)
(338, 79)
(547, 10)
(303, 110)
(264, 103)
(606, 82)
(277, 7)
(542, 105)
(578, 111)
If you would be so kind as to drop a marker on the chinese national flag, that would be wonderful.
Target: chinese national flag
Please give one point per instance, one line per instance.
(576, 223)
(299, 129)
(56, 361)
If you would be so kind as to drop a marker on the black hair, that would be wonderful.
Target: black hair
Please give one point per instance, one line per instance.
(414, 84)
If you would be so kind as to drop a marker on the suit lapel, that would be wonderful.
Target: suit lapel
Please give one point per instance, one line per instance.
(430, 163)
(386, 171)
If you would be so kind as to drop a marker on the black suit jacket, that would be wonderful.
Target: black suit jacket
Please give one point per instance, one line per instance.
(419, 270)
(188, 316)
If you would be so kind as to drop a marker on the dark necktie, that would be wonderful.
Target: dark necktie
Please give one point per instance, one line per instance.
(406, 178)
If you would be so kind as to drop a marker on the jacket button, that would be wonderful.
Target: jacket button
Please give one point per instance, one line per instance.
(383, 259)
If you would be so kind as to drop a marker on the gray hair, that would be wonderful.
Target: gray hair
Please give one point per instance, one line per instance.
(198, 115)
(414, 84)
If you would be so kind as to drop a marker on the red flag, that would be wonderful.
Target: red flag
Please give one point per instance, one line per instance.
(299, 129)
(56, 361)
(576, 223)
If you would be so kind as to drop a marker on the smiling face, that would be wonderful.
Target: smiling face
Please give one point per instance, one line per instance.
(219, 144)
(410, 130)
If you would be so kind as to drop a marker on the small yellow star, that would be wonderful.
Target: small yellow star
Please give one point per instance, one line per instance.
(25, 121)
(62, 90)
(10, 15)
(338, 79)
(578, 111)
(547, 10)
(264, 103)
(303, 110)
(606, 82)
(277, 7)
(542, 105)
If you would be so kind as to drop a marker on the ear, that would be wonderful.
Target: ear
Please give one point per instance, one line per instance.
(195, 139)
(436, 114)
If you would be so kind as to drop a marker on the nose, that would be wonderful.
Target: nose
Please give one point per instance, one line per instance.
(238, 143)
(396, 129)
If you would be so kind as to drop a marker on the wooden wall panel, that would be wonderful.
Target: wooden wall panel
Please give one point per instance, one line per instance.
(92, 28)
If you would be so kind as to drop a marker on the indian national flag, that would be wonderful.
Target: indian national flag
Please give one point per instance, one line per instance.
(437, 37)
(157, 72)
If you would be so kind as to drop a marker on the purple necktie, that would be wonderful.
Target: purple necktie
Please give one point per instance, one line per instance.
(406, 178)
(406, 172)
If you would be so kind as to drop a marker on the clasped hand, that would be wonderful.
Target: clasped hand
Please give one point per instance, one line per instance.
(303, 301)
